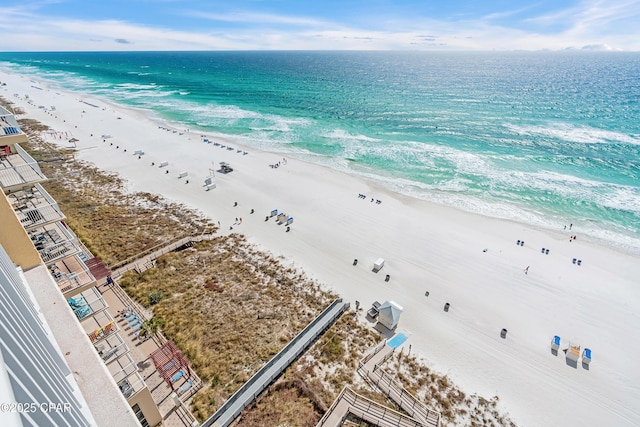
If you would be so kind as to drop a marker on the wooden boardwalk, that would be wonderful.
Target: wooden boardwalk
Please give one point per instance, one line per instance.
(274, 367)
(146, 259)
(349, 403)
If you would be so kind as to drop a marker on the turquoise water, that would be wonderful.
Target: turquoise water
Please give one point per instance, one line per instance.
(543, 138)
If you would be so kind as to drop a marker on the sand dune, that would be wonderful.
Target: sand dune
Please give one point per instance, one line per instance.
(427, 247)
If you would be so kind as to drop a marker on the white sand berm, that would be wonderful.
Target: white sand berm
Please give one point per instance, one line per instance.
(427, 247)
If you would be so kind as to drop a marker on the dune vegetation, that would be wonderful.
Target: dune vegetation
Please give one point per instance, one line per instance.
(230, 306)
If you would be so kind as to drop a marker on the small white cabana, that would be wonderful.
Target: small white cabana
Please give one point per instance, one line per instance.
(389, 314)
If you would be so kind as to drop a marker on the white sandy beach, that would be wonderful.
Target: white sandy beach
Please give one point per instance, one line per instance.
(427, 247)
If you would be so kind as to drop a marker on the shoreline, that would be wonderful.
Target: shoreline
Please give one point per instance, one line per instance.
(427, 247)
(541, 218)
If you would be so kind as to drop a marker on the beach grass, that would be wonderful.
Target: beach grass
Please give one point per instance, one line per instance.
(230, 307)
(112, 222)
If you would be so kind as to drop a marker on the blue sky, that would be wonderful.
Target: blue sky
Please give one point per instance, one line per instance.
(90, 25)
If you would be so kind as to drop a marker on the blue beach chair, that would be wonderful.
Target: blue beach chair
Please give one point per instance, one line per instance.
(186, 386)
(131, 318)
(177, 376)
(82, 311)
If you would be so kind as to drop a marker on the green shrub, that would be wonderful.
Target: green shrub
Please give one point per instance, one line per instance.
(155, 297)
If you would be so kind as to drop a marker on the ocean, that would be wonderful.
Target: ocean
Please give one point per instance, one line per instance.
(546, 138)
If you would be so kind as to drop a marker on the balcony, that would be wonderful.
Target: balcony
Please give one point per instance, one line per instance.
(125, 372)
(111, 348)
(98, 326)
(34, 206)
(72, 275)
(54, 242)
(87, 303)
(18, 169)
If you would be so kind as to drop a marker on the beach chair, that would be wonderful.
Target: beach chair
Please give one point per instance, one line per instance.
(555, 343)
(98, 332)
(106, 355)
(134, 326)
(108, 327)
(133, 319)
(586, 356)
(177, 376)
(185, 387)
(82, 312)
(77, 303)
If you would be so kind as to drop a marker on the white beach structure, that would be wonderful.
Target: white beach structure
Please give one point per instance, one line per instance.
(389, 314)
(377, 266)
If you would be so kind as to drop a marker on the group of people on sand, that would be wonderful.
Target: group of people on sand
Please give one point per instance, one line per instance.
(277, 165)
(363, 196)
(571, 238)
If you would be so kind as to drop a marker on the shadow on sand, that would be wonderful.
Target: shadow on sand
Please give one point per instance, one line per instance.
(384, 331)
(572, 363)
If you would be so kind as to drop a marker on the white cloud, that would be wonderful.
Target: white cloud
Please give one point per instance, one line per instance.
(609, 26)
(258, 18)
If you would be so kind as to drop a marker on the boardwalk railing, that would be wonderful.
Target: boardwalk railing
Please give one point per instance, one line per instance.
(274, 367)
(365, 409)
(395, 391)
(144, 260)
(377, 349)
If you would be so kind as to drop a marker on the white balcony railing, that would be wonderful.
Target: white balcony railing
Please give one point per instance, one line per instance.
(19, 169)
(71, 273)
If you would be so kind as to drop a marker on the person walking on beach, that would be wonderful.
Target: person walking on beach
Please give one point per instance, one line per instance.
(526, 270)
